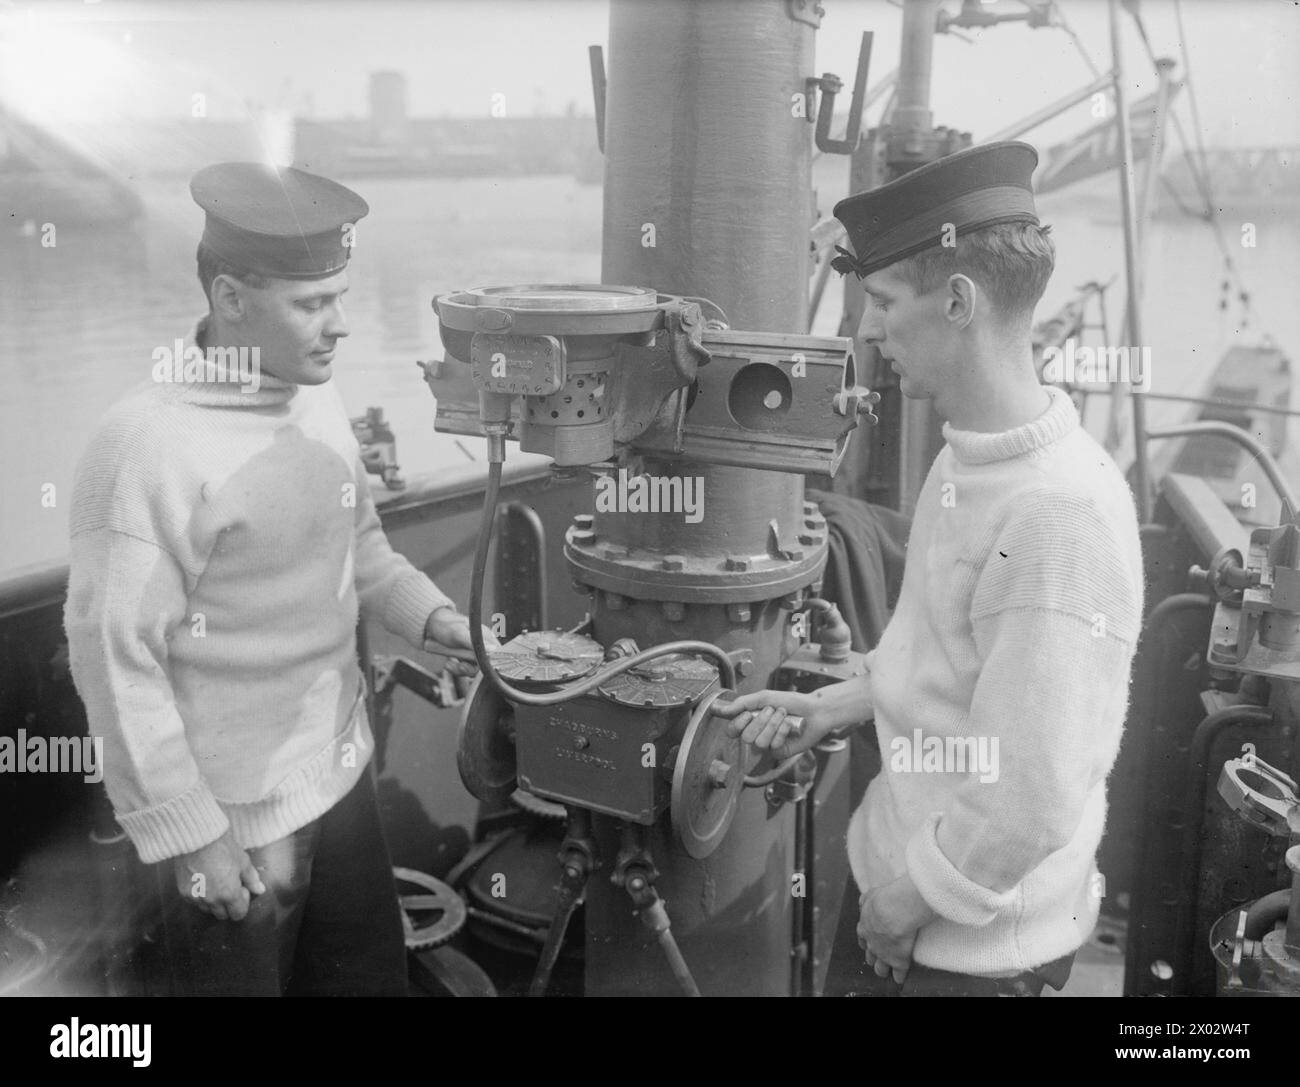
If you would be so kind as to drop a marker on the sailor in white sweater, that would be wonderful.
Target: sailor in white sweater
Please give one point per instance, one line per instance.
(1000, 685)
(223, 544)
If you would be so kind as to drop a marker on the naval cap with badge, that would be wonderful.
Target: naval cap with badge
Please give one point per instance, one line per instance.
(276, 221)
(973, 189)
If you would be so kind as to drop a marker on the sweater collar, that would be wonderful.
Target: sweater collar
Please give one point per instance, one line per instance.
(221, 385)
(973, 447)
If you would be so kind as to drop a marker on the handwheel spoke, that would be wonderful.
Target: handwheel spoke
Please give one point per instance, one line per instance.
(422, 930)
(424, 902)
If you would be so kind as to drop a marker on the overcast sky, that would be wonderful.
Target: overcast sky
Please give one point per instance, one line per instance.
(118, 59)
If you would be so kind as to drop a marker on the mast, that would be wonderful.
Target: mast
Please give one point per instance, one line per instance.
(1141, 485)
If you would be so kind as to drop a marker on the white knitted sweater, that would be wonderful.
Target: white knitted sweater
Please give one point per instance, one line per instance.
(1017, 621)
(223, 542)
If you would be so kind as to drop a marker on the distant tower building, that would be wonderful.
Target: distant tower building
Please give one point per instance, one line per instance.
(388, 107)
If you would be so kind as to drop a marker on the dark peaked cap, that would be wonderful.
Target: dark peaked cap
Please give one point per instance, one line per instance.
(979, 187)
(276, 221)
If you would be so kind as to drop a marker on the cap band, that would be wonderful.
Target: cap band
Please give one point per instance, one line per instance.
(964, 213)
(304, 257)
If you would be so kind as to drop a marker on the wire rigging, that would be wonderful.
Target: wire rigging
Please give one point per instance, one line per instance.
(1198, 162)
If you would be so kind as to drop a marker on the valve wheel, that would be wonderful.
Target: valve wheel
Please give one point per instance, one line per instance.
(708, 778)
(439, 900)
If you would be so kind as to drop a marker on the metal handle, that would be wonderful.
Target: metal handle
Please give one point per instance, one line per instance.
(831, 85)
(796, 724)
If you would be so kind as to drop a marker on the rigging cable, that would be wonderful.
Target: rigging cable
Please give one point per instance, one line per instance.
(1060, 20)
(1199, 170)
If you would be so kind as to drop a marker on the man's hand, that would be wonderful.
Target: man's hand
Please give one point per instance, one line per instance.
(890, 918)
(448, 627)
(219, 878)
(763, 720)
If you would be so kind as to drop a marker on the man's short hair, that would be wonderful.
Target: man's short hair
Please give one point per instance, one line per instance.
(211, 266)
(1010, 262)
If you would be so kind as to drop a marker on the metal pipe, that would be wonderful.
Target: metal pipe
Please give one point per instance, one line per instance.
(1151, 177)
(1170, 606)
(655, 917)
(887, 83)
(908, 144)
(1264, 913)
(1058, 107)
(1293, 916)
(755, 781)
(1248, 442)
(538, 530)
(506, 925)
(1198, 757)
(819, 289)
(1135, 336)
(1145, 703)
(803, 949)
(577, 861)
(1219, 402)
(912, 115)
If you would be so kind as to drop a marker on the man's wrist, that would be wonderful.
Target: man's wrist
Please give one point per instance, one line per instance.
(910, 901)
(841, 704)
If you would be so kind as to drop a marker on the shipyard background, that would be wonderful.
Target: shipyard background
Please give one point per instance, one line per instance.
(79, 321)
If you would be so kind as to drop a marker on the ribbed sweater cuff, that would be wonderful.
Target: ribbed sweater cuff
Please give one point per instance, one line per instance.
(410, 604)
(179, 825)
(949, 893)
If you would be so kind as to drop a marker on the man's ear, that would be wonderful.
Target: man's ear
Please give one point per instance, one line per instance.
(228, 302)
(963, 296)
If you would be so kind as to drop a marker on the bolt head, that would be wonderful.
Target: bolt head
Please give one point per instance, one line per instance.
(674, 562)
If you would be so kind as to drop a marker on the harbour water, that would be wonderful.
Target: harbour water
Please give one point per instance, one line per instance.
(79, 321)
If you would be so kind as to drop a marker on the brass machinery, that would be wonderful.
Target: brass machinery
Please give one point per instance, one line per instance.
(652, 391)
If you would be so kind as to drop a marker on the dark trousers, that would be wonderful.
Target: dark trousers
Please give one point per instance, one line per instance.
(849, 974)
(328, 923)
